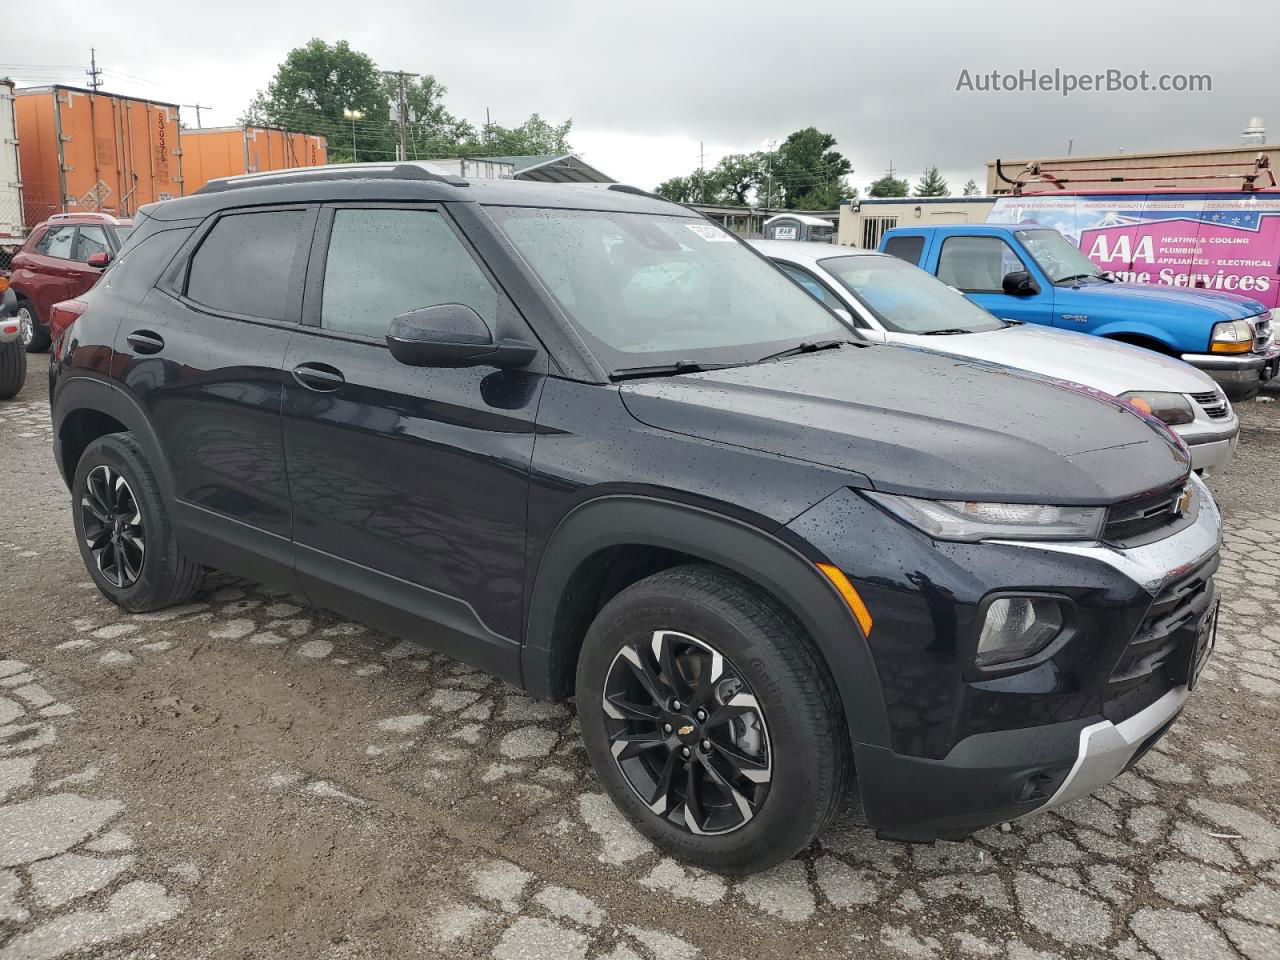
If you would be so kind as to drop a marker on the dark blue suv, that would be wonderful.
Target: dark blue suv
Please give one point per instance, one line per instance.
(596, 445)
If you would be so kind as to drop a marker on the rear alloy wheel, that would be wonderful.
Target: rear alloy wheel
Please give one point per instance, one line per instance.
(687, 733)
(113, 528)
(125, 535)
(711, 720)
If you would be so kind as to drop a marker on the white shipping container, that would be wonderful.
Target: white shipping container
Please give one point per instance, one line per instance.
(11, 229)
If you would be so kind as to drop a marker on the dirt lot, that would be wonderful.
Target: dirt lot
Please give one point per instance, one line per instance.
(247, 777)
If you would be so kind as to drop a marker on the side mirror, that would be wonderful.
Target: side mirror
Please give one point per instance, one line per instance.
(452, 335)
(1019, 283)
(99, 259)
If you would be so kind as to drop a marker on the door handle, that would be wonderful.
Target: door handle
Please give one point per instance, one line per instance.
(319, 377)
(144, 341)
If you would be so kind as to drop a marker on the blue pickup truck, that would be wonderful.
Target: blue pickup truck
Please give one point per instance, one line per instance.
(1035, 275)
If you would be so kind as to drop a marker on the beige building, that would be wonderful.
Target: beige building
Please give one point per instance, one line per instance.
(863, 222)
(1209, 168)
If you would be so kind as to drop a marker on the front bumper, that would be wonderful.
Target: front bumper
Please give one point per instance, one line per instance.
(1002, 774)
(1242, 375)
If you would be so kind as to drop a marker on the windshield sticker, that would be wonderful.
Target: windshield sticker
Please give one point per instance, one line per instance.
(709, 233)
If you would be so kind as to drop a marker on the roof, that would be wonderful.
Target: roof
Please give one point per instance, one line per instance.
(923, 200)
(803, 218)
(553, 168)
(807, 251)
(415, 180)
(47, 87)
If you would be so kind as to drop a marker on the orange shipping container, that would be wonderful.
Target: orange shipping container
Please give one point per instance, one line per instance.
(232, 151)
(82, 151)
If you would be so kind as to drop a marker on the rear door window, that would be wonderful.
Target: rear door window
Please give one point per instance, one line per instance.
(57, 242)
(246, 264)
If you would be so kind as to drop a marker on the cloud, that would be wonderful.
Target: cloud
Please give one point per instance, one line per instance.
(646, 82)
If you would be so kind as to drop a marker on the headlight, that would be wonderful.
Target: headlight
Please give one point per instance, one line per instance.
(1172, 408)
(1018, 627)
(974, 520)
(1233, 336)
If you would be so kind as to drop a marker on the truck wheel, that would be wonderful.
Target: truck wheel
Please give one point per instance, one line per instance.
(123, 528)
(711, 720)
(13, 368)
(33, 336)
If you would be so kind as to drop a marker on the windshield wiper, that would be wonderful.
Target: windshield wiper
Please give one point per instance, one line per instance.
(807, 346)
(1079, 276)
(667, 369)
(945, 332)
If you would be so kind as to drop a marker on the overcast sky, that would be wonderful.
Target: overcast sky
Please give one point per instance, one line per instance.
(647, 81)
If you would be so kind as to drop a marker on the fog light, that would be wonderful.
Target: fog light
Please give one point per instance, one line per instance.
(1018, 627)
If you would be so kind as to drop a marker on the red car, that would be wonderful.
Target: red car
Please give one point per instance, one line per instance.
(62, 258)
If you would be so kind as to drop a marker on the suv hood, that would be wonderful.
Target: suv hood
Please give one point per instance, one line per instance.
(915, 422)
(1096, 362)
(1225, 306)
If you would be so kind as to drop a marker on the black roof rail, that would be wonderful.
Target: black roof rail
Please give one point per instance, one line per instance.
(336, 171)
(627, 188)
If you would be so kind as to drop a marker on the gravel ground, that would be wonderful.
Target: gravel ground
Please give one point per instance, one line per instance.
(248, 777)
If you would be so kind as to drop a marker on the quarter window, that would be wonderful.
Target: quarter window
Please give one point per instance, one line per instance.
(385, 263)
(245, 265)
(57, 242)
(811, 285)
(905, 248)
(976, 264)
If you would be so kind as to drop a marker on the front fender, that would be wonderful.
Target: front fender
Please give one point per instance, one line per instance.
(1149, 331)
(777, 566)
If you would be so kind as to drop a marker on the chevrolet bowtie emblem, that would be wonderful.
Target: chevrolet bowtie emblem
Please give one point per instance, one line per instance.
(685, 730)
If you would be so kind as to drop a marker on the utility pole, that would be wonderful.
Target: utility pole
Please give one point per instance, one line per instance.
(702, 174)
(402, 108)
(94, 74)
(197, 107)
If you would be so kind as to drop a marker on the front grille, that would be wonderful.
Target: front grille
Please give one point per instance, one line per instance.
(1261, 332)
(1214, 403)
(1158, 657)
(1142, 515)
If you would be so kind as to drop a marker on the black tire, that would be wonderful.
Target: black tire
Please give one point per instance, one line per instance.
(165, 576)
(40, 339)
(811, 757)
(13, 368)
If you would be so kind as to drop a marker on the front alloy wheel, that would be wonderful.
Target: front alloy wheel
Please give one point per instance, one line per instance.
(113, 529)
(26, 326)
(687, 733)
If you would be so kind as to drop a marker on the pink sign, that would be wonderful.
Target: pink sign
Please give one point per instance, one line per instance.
(1228, 243)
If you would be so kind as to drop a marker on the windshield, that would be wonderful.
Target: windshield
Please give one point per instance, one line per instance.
(648, 290)
(906, 299)
(1057, 256)
(122, 232)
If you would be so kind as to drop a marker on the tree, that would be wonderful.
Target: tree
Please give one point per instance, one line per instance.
(931, 184)
(808, 174)
(431, 130)
(312, 88)
(534, 136)
(889, 186)
(735, 177)
(677, 189)
(317, 83)
(971, 188)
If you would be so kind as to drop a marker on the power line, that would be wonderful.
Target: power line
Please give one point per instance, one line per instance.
(197, 107)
